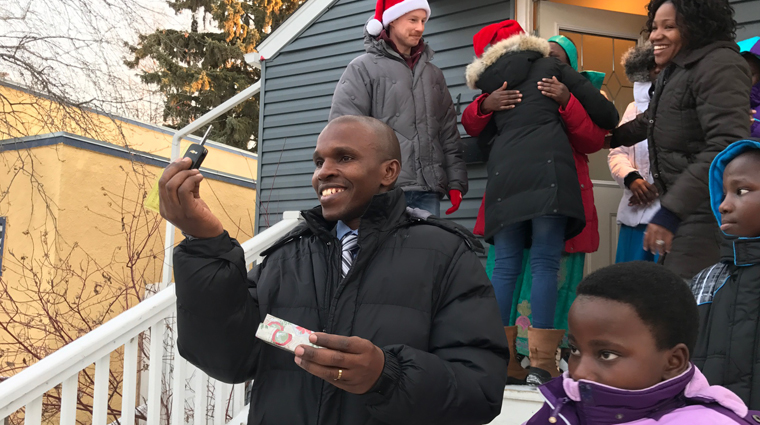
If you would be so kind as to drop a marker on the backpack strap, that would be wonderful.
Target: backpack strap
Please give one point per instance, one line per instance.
(419, 216)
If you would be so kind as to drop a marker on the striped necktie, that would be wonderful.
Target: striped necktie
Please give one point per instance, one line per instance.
(349, 248)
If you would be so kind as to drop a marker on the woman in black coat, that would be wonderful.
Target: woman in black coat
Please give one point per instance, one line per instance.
(533, 192)
(699, 107)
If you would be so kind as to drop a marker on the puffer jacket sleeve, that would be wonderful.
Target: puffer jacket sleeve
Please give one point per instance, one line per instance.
(461, 379)
(472, 120)
(601, 110)
(619, 159)
(217, 310)
(353, 94)
(721, 88)
(632, 132)
(585, 136)
(451, 142)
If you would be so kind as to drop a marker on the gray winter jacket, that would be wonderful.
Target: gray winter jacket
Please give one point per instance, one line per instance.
(417, 105)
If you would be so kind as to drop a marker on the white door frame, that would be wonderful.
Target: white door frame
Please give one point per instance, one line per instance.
(524, 14)
(553, 17)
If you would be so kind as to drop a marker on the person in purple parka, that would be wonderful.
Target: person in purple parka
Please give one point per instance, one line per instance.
(754, 95)
(750, 50)
(633, 327)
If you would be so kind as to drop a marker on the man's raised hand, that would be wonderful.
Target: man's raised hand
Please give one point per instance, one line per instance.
(352, 364)
(181, 203)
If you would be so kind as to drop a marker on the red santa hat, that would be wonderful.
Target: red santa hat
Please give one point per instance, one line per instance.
(493, 34)
(387, 11)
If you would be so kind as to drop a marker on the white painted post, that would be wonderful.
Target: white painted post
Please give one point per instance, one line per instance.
(100, 393)
(33, 413)
(154, 372)
(201, 389)
(69, 390)
(220, 399)
(178, 388)
(238, 398)
(129, 388)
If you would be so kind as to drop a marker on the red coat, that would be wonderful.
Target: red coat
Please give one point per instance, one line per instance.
(585, 138)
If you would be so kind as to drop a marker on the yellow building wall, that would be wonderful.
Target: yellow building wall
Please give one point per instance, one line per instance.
(27, 115)
(78, 240)
(78, 223)
(86, 207)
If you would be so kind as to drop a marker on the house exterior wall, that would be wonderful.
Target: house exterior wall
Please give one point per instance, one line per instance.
(748, 17)
(299, 83)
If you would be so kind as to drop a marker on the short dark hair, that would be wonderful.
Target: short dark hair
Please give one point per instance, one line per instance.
(661, 298)
(752, 154)
(752, 60)
(386, 141)
(701, 21)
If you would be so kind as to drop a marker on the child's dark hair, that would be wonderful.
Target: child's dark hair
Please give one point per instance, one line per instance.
(752, 59)
(752, 154)
(661, 298)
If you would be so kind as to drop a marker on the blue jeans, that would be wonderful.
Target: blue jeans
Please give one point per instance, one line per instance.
(428, 201)
(548, 234)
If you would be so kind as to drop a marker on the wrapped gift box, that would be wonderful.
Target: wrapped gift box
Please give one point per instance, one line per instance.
(283, 334)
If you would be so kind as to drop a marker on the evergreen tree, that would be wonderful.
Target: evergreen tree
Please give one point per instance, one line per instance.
(199, 69)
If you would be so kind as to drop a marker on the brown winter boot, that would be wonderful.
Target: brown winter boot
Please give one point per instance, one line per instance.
(515, 373)
(543, 344)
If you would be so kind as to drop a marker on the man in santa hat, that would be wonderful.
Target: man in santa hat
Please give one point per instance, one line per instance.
(395, 82)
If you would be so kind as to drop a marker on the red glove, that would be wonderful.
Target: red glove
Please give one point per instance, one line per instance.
(456, 199)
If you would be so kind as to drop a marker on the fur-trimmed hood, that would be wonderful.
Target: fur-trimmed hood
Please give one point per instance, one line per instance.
(517, 43)
(637, 61)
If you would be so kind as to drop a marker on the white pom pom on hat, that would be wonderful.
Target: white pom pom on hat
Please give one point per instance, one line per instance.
(374, 27)
(387, 11)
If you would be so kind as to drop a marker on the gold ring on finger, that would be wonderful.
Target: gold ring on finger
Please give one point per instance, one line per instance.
(340, 375)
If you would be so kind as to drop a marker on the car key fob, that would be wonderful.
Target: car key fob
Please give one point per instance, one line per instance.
(197, 152)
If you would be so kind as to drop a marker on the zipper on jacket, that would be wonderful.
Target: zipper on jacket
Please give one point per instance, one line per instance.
(651, 139)
(332, 246)
(553, 418)
(337, 261)
(343, 282)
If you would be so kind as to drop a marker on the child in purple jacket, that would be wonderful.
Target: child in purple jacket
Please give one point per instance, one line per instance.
(750, 49)
(632, 327)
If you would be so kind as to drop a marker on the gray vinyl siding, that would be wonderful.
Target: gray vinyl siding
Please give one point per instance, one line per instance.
(748, 17)
(300, 81)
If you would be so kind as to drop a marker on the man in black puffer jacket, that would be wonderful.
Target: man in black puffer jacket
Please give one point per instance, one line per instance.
(411, 332)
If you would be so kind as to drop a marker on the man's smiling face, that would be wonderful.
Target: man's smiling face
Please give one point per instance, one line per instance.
(350, 169)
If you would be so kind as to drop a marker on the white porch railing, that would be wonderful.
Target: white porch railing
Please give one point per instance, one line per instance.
(213, 402)
(186, 385)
